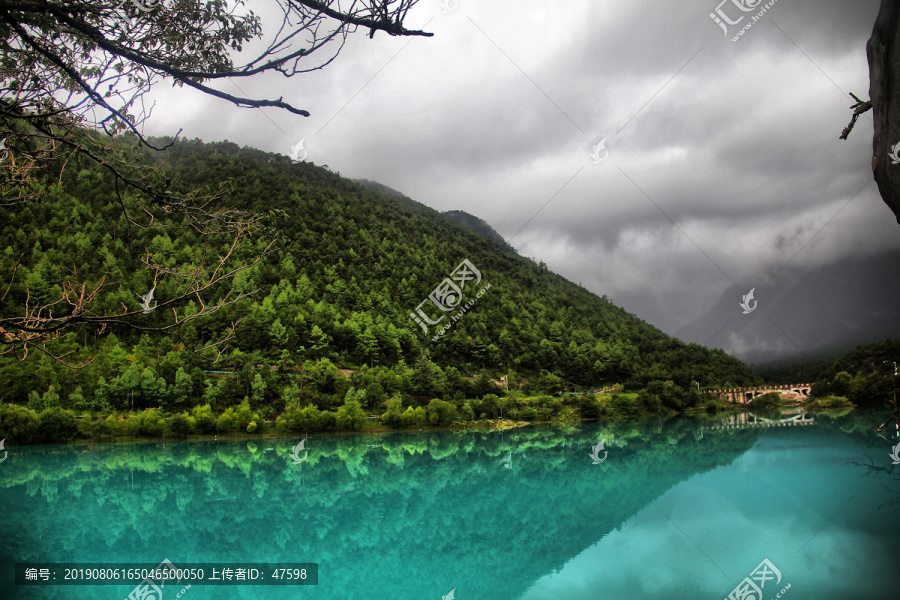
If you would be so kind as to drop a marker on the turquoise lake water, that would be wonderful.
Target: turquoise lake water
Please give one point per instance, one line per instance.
(685, 507)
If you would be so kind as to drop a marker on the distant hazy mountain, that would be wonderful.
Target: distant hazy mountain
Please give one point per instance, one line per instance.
(825, 312)
(403, 199)
(479, 226)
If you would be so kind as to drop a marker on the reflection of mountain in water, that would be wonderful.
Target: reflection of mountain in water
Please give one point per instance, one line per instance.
(414, 516)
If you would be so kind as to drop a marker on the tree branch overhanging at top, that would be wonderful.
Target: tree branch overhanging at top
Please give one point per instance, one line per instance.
(82, 45)
(70, 69)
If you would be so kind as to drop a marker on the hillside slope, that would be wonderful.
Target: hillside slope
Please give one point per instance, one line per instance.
(352, 265)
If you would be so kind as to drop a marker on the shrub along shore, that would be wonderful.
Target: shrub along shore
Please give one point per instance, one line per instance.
(21, 424)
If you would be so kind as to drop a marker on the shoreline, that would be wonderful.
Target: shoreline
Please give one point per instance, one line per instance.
(486, 425)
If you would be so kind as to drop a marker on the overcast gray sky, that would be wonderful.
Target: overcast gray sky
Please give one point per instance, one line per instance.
(724, 170)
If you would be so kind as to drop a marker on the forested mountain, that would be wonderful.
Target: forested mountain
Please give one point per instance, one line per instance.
(350, 266)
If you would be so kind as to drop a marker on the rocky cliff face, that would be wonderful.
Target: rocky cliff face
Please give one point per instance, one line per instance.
(883, 52)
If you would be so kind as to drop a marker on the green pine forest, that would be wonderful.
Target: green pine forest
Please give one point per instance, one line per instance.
(326, 340)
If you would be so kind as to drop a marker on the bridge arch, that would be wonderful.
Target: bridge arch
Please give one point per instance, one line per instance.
(797, 391)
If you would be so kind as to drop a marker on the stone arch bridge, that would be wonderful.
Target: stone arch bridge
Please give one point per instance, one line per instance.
(797, 391)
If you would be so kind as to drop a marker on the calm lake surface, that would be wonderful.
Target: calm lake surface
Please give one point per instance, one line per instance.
(684, 507)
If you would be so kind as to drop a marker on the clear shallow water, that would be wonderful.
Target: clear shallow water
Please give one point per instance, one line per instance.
(679, 508)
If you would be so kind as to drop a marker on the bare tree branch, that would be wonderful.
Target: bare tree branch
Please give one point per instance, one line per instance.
(859, 108)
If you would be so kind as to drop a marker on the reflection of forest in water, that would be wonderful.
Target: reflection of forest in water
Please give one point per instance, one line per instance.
(405, 514)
